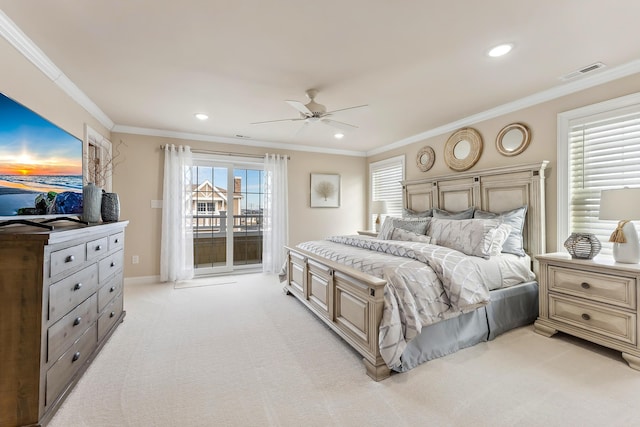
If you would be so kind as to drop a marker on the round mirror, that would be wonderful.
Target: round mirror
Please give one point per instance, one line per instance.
(463, 149)
(513, 139)
(425, 158)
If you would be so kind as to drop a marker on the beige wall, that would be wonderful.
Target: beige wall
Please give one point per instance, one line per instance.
(542, 120)
(138, 180)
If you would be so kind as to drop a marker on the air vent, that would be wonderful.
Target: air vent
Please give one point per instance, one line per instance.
(583, 71)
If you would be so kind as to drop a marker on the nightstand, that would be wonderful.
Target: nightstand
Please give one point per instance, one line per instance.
(596, 300)
(368, 233)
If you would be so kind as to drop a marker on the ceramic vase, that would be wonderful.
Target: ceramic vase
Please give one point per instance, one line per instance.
(110, 207)
(91, 203)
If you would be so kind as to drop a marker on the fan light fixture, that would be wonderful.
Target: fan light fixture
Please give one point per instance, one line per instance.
(500, 50)
(201, 116)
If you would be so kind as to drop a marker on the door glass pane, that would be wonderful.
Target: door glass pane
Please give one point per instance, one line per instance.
(247, 229)
(209, 216)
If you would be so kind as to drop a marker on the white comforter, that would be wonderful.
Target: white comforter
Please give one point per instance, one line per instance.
(425, 283)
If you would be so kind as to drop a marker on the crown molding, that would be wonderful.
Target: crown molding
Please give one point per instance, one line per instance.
(234, 141)
(603, 76)
(14, 35)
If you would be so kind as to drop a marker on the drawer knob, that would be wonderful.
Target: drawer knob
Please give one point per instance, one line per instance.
(113, 313)
(77, 286)
(70, 258)
(76, 356)
(585, 285)
(585, 316)
(99, 248)
(116, 241)
(113, 264)
(77, 321)
(112, 289)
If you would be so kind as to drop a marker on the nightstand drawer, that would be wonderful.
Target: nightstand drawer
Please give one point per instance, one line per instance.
(620, 291)
(616, 324)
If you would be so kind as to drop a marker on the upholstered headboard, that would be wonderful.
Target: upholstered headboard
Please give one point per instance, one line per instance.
(494, 190)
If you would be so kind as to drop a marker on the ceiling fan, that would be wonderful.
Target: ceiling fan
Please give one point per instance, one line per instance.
(312, 112)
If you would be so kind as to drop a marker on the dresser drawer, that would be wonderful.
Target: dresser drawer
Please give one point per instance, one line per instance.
(617, 290)
(110, 265)
(596, 318)
(96, 248)
(109, 317)
(116, 241)
(66, 259)
(66, 330)
(67, 365)
(71, 291)
(108, 291)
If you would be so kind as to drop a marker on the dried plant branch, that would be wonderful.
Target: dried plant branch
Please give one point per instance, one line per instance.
(325, 189)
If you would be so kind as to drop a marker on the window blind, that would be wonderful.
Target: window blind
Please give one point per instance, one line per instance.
(385, 177)
(604, 153)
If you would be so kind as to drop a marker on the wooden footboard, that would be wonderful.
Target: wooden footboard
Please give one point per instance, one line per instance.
(347, 300)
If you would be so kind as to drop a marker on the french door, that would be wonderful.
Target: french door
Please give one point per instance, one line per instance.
(227, 216)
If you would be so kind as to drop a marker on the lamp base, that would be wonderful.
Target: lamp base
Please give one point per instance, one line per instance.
(629, 252)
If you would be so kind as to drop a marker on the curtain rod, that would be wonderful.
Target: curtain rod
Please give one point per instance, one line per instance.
(226, 153)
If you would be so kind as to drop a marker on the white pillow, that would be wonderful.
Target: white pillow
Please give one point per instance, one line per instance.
(470, 236)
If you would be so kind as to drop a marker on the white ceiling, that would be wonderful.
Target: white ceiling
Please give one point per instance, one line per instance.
(420, 65)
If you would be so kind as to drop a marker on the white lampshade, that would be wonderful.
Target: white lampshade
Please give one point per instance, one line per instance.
(379, 207)
(621, 203)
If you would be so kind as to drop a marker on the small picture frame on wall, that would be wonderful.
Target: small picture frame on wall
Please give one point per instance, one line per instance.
(325, 190)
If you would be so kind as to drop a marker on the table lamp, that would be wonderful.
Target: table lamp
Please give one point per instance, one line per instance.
(622, 205)
(378, 207)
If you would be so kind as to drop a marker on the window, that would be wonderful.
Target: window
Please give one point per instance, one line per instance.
(385, 179)
(599, 148)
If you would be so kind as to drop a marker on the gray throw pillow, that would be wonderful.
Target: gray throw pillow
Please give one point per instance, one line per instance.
(465, 214)
(515, 218)
(418, 225)
(410, 213)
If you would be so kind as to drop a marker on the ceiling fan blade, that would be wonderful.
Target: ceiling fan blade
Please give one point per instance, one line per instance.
(304, 126)
(273, 121)
(300, 107)
(348, 108)
(339, 125)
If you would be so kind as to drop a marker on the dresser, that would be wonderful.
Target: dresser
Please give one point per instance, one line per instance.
(60, 301)
(596, 300)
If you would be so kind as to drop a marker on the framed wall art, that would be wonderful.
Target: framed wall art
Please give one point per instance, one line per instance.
(325, 190)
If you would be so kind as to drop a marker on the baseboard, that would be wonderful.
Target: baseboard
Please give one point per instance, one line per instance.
(141, 280)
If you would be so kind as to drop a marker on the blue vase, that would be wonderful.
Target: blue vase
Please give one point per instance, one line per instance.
(91, 203)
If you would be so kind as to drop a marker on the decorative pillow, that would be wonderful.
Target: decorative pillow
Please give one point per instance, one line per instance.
(465, 214)
(409, 236)
(502, 233)
(410, 213)
(515, 218)
(469, 236)
(418, 226)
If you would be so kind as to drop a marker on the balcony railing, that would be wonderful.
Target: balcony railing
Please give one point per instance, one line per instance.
(210, 239)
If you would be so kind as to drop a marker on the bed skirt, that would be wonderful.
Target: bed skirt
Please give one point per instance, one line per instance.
(509, 308)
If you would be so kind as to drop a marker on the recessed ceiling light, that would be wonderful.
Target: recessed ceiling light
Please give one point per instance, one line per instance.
(201, 116)
(500, 50)
(338, 135)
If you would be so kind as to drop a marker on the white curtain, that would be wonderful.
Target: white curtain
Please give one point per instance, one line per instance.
(176, 249)
(276, 224)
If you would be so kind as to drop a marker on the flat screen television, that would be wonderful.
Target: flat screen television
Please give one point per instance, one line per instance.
(40, 166)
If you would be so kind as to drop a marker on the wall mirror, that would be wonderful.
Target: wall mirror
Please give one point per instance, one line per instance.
(425, 158)
(513, 139)
(463, 149)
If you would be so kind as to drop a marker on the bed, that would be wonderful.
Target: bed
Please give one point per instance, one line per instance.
(352, 283)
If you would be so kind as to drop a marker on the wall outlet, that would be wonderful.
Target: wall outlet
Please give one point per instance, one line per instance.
(156, 204)
(135, 259)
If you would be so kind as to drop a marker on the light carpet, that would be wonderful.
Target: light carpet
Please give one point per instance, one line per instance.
(244, 354)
